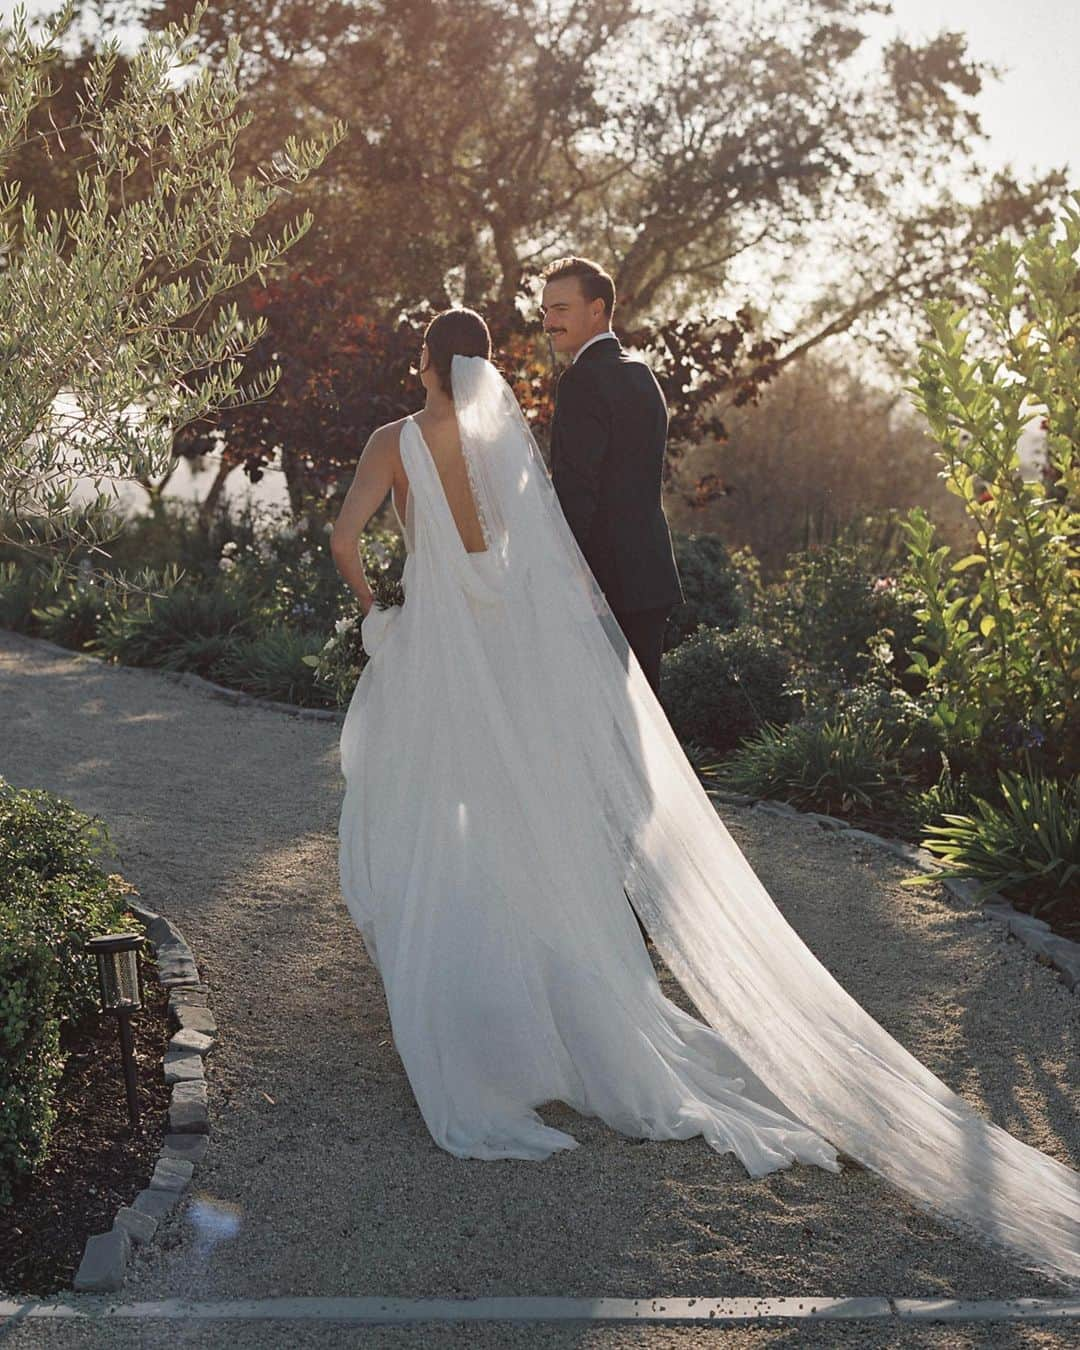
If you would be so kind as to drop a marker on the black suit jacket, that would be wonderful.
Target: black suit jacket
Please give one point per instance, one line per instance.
(608, 439)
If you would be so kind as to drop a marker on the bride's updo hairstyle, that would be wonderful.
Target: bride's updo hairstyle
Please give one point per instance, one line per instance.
(455, 332)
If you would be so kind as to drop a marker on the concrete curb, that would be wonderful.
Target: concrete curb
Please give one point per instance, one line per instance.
(1061, 953)
(106, 1256)
(396, 1311)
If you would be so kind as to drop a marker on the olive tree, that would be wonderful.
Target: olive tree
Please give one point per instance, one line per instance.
(113, 333)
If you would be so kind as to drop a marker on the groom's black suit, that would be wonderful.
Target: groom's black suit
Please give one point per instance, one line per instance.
(608, 439)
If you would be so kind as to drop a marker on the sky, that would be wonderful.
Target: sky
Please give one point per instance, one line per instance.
(1031, 114)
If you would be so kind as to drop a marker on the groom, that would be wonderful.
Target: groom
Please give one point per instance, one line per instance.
(608, 439)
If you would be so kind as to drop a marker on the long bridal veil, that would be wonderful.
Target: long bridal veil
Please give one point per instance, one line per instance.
(750, 975)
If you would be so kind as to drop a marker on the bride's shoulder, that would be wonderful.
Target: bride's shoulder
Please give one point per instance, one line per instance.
(391, 430)
(387, 437)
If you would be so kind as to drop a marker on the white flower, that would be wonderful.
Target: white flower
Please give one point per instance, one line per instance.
(884, 653)
(344, 625)
(226, 564)
(305, 557)
(229, 549)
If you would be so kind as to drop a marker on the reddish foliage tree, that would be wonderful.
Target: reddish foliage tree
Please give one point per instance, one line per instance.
(345, 372)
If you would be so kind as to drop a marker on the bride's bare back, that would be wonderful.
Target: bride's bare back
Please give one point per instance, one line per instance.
(444, 445)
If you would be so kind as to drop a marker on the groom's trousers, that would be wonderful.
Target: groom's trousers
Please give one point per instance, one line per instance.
(644, 631)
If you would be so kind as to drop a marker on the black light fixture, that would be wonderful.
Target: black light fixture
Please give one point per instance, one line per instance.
(118, 983)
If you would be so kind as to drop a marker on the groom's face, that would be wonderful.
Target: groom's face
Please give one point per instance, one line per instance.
(569, 319)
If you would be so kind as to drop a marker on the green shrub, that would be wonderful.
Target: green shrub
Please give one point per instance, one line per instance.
(952, 793)
(24, 588)
(74, 618)
(30, 1059)
(907, 724)
(839, 615)
(1026, 845)
(55, 896)
(273, 666)
(999, 639)
(205, 656)
(838, 766)
(711, 584)
(172, 628)
(250, 609)
(50, 856)
(718, 687)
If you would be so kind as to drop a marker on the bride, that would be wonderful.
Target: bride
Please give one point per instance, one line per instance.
(511, 780)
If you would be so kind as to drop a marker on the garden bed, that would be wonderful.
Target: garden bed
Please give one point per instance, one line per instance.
(97, 1160)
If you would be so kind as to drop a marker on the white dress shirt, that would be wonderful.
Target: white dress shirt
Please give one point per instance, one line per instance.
(607, 333)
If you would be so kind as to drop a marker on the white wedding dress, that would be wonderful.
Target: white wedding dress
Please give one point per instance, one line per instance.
(508, 772)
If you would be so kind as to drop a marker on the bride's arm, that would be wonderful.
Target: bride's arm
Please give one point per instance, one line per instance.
(373, 479)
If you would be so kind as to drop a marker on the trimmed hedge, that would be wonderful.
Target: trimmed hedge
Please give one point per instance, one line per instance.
(54, 897)
(712, 585)
(717, 687)
(30, 1059)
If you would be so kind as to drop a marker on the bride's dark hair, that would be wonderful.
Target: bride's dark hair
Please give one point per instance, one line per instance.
(455, 332)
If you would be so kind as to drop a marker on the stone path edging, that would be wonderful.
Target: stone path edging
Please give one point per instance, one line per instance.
(397, 1311)
(105, 1256)
(1059, 952)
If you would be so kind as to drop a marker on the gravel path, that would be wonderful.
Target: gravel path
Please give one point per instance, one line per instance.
(225, 818)
(513, 1336)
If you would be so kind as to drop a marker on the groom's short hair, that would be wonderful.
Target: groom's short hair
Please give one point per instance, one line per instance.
(594, 281)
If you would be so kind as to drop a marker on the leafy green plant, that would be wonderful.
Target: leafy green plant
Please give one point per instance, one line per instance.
(30, 1058)
(24, 589)
(272, 665)
(166, 628)
(74, 618)
(839, 766)
(340, 661)
(50, 859)
(205, 656)
(1027, 846)
(717, 687)
(951, 794)
(839, 614)
(906, 723)
(55, 896)
(711, 585)
(999, 639)
(188, 535)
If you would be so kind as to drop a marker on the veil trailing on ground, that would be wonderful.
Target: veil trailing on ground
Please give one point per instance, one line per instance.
(751, 977)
